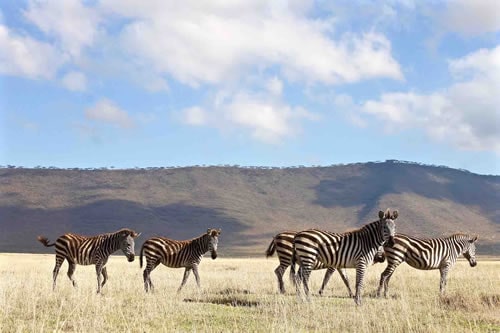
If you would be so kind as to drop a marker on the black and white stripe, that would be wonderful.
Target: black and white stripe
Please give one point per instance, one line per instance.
(176, 254)
(95, 250)
(282, 244)
(355, 249)
(434, 253)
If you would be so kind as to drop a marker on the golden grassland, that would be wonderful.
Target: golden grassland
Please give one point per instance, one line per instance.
(241, 295)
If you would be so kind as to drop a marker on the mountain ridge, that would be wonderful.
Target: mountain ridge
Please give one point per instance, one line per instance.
(250, 204)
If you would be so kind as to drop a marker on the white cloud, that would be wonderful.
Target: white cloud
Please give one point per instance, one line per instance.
(106, 111)
(210, 42)
(75, 81)
(200, 43)
(264, 116)
(274, 86)
(466, 114)
(194, 116)
(267, 121)
(472, 18)
(27, 57)
(70, 21)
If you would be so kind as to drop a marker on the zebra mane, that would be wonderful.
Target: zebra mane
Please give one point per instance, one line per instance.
(124, 230)
(357, 230)
(467, 236)
(457, 234)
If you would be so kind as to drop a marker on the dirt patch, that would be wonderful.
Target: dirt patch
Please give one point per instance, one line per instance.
(492, 301)
(232, 291)
(228, 301)
(463, 302)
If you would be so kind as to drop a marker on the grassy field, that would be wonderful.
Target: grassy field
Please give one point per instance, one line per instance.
(241, 295)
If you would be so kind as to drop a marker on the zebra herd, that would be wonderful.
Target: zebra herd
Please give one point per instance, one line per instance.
(317, 249)
(311, 249)
(96, 250)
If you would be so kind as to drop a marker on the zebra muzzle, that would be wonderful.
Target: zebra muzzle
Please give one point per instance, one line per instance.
(131, 258)
(390, 242)
(214, 255)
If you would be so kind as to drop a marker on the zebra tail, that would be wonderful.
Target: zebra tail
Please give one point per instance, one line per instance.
(45, 241)
(271, 249)
(140, 257)
(293, 276)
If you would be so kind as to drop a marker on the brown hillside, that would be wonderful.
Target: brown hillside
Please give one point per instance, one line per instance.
(249, 204)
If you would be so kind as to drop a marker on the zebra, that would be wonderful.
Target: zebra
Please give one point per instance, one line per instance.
(94, 250)
(354, 249)
(282, 243)
(176, 254)
(426, 254)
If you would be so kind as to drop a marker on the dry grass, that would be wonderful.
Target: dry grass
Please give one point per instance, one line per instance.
(240, 295)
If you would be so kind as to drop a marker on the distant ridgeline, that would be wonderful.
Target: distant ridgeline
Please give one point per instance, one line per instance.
(251, 204)
(229, 166)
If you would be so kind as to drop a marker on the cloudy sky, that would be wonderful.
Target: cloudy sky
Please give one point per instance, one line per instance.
(250, 82)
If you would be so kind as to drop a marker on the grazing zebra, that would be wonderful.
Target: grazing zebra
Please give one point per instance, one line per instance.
(354, 249)
(282, 243)
(95, 250)
(427, 254)
(176, 254)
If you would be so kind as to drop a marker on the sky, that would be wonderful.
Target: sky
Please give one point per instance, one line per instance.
(123, 84)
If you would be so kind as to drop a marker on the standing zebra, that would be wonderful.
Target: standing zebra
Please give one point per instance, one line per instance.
(282, 243)
(354, 249)
(427, 254)
(95, 250)
(176, 254)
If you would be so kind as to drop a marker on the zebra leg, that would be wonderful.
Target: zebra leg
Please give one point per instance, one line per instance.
(444, 273)
(148, 285)
(184, 279)
(385, 277)
(279, 271)
(59, 261)
(304, 273)
(104, 276)
(98, 270)
(328, 275)
(360, 274)
(196, 275)
(343, 275)
(71, 271)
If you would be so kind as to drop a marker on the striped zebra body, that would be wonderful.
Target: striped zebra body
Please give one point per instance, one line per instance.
(95, 250)
(427, 254)
(177, 254)
(354, 249)
(282, 244)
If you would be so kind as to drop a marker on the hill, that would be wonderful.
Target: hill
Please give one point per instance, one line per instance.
(249, 204)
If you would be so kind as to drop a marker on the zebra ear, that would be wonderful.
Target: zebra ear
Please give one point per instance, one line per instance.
(473, 239)
(209, 231)
(380, 214)
(395, 215)
(135, 234)
(219, 231)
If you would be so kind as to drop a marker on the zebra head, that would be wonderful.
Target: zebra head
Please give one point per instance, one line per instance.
(213, 235)
(127, 244)
(469, 250)
(388, 226)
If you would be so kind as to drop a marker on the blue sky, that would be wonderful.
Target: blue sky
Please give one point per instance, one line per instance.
(250, 82)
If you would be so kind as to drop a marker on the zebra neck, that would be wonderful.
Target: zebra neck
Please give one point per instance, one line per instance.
(201, 244)
(371, 231)
(457, 244)
(110, 244)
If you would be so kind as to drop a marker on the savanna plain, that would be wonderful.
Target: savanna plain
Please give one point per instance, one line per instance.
(240, 294)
